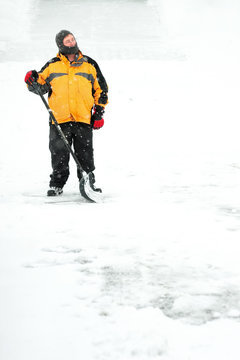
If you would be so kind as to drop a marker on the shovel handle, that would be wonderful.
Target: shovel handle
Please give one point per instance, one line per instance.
(59, 129)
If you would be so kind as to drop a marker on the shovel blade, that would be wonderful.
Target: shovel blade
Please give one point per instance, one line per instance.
(87, 189)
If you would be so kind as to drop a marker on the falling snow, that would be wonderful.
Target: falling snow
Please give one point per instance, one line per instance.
(153, 271)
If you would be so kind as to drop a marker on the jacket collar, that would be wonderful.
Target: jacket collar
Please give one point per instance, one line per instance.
(78, 61)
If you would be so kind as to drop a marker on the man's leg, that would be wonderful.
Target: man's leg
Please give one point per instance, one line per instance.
(83, 146)
(59, 155)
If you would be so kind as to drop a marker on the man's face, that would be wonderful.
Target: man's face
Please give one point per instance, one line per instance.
(69, 40)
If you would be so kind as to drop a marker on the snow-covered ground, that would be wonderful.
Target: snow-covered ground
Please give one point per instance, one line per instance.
(152, 272)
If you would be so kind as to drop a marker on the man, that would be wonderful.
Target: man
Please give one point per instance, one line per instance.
(77, 96)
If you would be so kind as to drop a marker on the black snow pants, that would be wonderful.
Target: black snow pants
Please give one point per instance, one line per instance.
(80, 136)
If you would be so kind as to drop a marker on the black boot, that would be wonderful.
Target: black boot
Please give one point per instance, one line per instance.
(92, 181)
(54, 191)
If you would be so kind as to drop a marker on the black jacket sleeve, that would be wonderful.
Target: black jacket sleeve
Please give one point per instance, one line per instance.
(101, 80)
(43, 89)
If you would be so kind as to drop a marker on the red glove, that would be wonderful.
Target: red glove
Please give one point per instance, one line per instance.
(98, 124)
(31, 77)
(97, 121)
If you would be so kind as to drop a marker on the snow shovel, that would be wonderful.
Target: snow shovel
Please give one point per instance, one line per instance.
(86, 187)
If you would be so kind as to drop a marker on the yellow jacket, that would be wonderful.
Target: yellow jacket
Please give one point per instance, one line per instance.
(73, 88)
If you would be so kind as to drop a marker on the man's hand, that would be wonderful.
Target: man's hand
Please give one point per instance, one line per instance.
(31, 77)
(98, 124)
(97, 120)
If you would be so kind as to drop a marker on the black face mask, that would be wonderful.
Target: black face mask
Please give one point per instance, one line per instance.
(68, 50)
